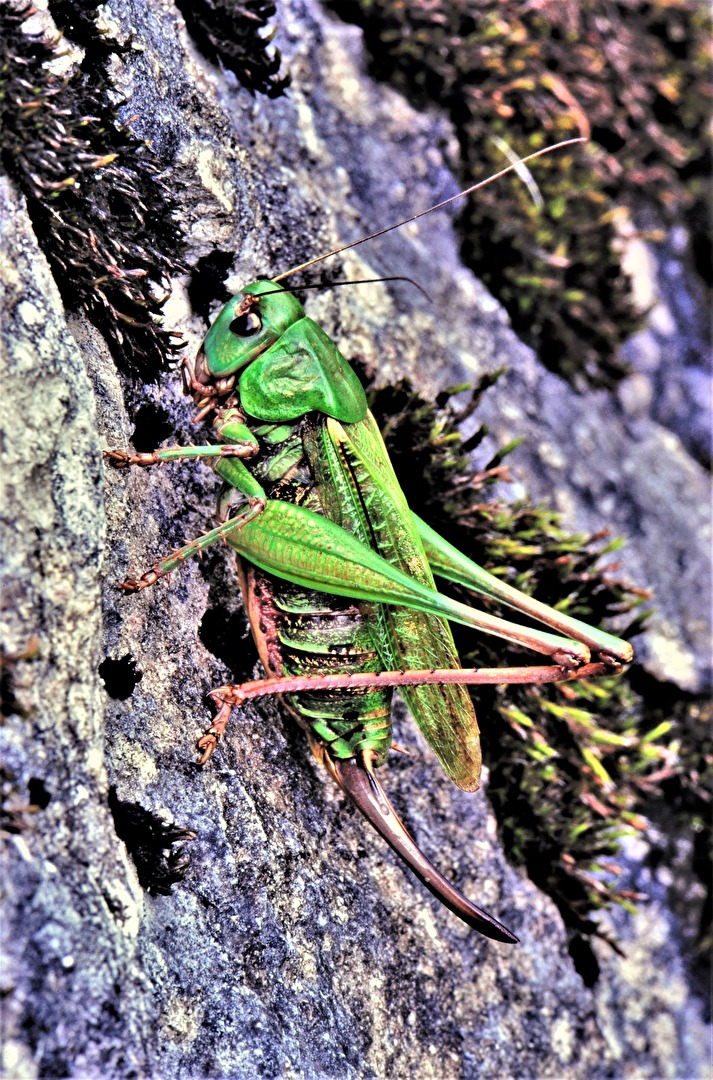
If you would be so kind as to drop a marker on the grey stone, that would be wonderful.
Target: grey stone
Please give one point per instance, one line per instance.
(674, 348)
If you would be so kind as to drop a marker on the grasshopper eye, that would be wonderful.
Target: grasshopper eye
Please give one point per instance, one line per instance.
(246, 325)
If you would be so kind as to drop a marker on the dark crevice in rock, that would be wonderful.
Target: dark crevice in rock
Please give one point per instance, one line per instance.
(152, 426)
(38, 793)
(120, 677)
(206, 287)
(224, 634)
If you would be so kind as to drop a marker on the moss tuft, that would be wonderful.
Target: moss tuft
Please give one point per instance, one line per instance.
(103, 213)
(155, 845)
(633, 77)
(229, 32)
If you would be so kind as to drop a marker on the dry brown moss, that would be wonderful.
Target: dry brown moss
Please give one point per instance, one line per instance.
(101, 208)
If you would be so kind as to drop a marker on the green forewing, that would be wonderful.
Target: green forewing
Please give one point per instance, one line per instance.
(360, 492)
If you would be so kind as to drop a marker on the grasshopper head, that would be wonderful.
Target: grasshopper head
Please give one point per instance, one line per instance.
(249, 324)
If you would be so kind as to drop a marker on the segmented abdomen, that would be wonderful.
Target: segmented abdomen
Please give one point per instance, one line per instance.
(301, 631)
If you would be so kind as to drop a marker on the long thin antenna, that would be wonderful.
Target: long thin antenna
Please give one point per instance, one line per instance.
(356, 281)
(439, 206)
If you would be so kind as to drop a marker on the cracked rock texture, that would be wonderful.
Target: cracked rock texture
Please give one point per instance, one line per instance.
(295, 947)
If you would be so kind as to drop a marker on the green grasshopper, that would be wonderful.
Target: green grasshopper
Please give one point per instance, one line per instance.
(337, 572)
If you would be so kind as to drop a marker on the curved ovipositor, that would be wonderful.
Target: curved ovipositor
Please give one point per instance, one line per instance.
(367, 794)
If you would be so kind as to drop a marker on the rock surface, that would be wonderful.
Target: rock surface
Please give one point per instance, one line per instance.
(670, 358)
(296, 946)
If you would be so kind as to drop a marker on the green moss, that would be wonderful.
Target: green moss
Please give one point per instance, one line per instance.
(572, 766)
(634, 78)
